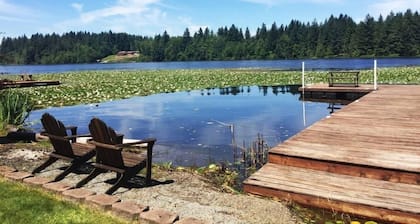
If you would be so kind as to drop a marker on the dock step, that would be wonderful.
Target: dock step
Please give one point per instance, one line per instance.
(384, 200)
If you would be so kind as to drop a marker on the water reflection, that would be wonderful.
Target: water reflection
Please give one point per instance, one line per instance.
(202, 126)
(334, 100)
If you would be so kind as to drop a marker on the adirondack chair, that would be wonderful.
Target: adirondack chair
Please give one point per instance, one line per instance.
(65, 147)
(111, 157)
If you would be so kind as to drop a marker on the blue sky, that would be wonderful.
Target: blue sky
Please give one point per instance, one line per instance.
(151, 17)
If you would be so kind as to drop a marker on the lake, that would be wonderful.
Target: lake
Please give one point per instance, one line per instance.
(310, 64)
(199, 127)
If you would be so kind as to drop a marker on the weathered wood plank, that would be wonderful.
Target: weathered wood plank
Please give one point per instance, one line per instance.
(357, 190)
(350, 208)
(381, 129)
(337, 89)
(363, 159)
(347, 169)
(20, 84)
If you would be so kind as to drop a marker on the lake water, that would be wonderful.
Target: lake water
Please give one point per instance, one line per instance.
(310, 64)
(204, 126)
(199, 127)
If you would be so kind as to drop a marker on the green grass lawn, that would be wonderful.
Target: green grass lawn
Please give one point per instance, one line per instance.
(24, 204)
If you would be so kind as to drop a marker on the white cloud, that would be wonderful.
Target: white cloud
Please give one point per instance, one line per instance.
(192, 27)
(278, 2)
(265, 2)
(121, 8)
(131, 16)
(384, 7)
(145, 17)
(14, 12)
(77, 6)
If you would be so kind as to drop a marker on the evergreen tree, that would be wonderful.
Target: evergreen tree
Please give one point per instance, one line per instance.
(396, 35)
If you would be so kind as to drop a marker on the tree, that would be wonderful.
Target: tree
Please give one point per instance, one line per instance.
(396, 35)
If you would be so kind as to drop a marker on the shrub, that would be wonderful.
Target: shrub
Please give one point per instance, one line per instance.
(14, 108)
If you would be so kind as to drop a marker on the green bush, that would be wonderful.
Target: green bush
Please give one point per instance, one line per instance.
(14, 108)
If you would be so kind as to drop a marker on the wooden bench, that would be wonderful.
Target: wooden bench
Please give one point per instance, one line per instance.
(343, 78)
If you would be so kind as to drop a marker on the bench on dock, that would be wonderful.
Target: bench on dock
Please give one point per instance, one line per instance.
(343, 78)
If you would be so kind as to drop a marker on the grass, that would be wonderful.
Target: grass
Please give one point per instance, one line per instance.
(22, 204)
(119, 59)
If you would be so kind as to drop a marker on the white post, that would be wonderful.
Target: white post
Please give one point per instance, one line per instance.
(303, 76)
(375, 85)
(303, 94)
(304, 113)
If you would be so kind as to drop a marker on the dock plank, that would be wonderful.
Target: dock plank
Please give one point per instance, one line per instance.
(363, 159)
(374, 131)
(341, 187)
(335, 187)
(28, 83)
(337, 89)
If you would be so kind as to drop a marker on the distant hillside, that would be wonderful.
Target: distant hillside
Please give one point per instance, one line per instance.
(121, 56)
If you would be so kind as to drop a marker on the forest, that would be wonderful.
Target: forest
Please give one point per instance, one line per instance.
(396, 35)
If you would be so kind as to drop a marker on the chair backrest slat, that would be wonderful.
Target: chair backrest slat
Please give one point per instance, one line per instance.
(103, 134)
(57, 133)
(53, 126)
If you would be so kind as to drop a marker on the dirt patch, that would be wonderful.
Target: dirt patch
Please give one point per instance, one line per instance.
(185, 193)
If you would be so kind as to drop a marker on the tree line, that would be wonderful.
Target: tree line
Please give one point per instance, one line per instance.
(396, 35)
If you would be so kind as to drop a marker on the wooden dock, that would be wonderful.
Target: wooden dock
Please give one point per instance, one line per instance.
(337, 89)
(363, 159)
(26, 83)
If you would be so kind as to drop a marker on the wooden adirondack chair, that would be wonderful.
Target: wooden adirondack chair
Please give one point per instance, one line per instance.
(64, 145)
(111, 157)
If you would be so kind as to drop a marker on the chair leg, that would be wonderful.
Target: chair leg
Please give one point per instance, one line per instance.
(66, 171)
(148, 176)
(47, 163)
(121, 179)
(92, 175)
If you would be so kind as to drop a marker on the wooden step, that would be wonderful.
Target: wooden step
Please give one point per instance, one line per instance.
(378, 173)
(378, 199)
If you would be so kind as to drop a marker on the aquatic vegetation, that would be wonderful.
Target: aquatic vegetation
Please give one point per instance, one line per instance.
(97, 86)
(14, 108)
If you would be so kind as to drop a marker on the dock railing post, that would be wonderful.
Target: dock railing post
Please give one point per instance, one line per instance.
(303, 76)
(375, 85)
(303, 94)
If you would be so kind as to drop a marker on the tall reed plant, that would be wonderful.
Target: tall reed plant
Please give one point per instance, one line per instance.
(14, 108)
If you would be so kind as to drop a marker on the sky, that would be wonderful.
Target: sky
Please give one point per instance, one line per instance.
(152, 17)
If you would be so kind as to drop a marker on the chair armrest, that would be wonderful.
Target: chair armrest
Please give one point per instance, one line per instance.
(147, 141)
(76, 136)
(106, 146)
(70, 127)
(73, 129)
